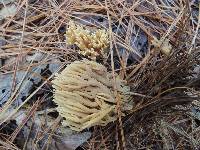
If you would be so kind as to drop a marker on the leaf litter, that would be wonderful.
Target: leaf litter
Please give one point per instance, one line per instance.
(164, 87)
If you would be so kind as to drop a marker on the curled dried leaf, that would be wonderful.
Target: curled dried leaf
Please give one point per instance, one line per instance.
(163, 45)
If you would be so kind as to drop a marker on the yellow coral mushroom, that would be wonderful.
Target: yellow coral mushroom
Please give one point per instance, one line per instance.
(90, 44)
(83, 92)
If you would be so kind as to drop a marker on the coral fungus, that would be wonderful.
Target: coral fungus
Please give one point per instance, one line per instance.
(91, 44)
(84, 94)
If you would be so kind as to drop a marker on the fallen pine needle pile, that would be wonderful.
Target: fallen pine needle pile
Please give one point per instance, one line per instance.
(124, 74)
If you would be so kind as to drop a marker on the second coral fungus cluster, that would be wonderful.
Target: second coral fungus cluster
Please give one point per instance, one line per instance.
(85, 97)
(91, 44)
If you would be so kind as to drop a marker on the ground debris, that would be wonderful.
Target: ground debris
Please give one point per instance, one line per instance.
(163, 75)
